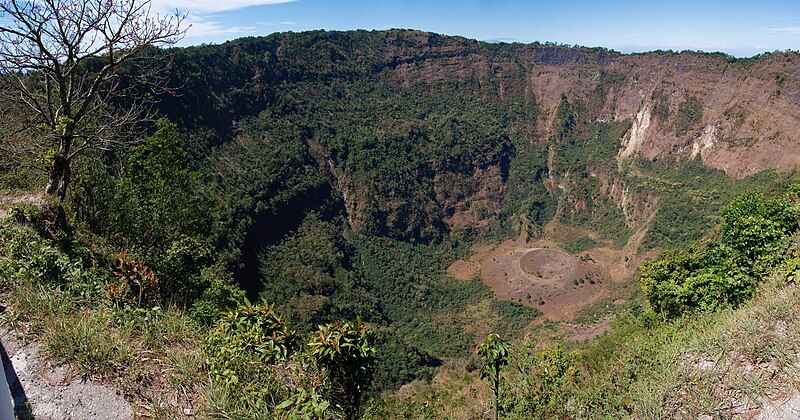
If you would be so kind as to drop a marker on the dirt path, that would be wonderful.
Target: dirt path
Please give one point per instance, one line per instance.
(7, 201)
(47, 392)
(576, 332)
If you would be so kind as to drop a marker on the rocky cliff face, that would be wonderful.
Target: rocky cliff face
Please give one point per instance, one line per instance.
(739, 116)
(422, 134)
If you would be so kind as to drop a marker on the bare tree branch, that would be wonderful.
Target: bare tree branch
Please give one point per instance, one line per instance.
(78, 68)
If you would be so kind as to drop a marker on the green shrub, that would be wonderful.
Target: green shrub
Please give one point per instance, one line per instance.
(258, 365)
(149, 201)
(754, 235)
(758, 228)
(245, 341)
(26, 256)
(344, 352)
(181, 266)
(248, 357)
(514, 316)
(220, 296)
(494, 355)
(546, 381)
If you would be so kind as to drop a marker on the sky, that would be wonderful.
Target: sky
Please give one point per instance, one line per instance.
(741, 28)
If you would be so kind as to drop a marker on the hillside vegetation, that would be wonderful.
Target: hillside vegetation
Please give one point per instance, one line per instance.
(698, 344)
(279, 241)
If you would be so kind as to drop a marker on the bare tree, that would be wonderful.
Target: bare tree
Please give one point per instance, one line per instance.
(78, 70)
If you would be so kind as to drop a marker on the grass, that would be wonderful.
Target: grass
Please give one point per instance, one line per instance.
(708, 364)
(724, 364)
(83, 340)
(151, 355)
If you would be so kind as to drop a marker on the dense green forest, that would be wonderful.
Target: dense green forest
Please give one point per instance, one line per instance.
(296, 207)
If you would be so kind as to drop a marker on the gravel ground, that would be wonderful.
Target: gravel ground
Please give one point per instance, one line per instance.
(47, 392)
(786, 408)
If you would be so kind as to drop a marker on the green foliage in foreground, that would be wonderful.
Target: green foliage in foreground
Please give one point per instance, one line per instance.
(258, 365)
(251, 330)
(153, 208)
(544, 377)
(57, 293)
(344, 354)
(74, 302)
(494, 355)
(25, 256)
(754, 234)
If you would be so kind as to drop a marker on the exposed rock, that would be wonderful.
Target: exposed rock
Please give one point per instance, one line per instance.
(638, 133)
(747, 115)
(785, 408)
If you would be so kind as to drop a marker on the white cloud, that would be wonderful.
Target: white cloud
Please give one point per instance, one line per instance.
(202, 28)
(786, 29)
(206, 6)
(203, 19)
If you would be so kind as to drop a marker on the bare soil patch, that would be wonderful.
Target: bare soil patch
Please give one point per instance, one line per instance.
(43, 391)
(6, 201)
(542, 276)
(576, 332)
(549, 279)
(471, 267)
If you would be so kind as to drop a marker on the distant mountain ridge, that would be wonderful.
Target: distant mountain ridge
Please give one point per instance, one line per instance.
(737, 115)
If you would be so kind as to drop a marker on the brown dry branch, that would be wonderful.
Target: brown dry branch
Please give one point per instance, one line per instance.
(77, 70)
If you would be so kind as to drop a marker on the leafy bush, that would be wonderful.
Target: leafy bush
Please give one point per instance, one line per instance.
(243, 342)
(220, 296)
(257, 363)
(149, 202)
(28, 257)
(758, 229)
(343, 351)
(136, 284)
(755, 232)
(241, 354)
(547, 377)
(181, 266)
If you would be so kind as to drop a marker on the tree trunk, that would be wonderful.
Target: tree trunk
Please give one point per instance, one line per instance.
(58, 177)
(496, 398)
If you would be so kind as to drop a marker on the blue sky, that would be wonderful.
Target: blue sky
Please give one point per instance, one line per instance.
(742, 28)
